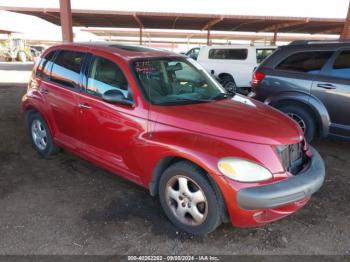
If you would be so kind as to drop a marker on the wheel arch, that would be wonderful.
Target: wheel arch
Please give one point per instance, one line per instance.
(166, 162)
(223, 74)
(309, 102)
(29, 108)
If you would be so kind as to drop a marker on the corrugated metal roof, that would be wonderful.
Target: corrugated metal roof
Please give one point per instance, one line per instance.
(240, 23)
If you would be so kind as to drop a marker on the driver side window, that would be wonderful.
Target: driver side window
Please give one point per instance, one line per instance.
(106, 75)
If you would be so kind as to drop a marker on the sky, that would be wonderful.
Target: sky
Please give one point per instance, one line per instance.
(301, 8)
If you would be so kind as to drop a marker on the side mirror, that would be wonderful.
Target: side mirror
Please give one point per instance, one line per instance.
(115, 96)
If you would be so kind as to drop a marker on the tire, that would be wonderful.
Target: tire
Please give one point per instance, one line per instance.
(22, 57)
(40, 135)
(228, 83)
(193, 212)
(303, 117)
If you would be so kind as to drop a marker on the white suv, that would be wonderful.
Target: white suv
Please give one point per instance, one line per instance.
(233, 65)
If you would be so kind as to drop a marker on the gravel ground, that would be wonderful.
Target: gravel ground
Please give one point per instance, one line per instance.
(65, 205)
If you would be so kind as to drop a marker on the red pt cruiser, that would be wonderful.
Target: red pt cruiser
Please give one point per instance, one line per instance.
(160, 120)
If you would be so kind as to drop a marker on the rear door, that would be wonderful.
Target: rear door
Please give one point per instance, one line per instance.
(332, 87)
(61, 91)
(297, 71)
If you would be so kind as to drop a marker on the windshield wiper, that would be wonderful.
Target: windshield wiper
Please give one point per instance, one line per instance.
(222, 96)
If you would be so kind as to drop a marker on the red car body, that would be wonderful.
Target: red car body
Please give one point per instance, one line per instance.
(138, 142)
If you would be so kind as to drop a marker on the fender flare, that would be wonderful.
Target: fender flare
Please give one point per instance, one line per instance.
(310, 101)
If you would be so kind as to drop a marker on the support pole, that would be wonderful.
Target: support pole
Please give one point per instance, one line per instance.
(208, 36)
(140, 34)
(275, 33)
(140, 24)
(346, 31)
(66, 21)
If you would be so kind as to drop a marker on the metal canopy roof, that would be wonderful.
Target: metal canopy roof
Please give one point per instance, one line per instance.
(106, 18)
(3, 31)
(122, 34)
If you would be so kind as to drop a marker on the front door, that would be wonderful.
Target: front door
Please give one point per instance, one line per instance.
(110, 131)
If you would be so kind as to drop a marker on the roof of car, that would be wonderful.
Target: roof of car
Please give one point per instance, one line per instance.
(316, 44)
(237, 46)
(126, 51)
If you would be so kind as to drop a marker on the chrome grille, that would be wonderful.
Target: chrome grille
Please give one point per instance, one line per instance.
(290, 155)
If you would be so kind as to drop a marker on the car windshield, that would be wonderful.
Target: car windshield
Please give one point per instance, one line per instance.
(173, 81)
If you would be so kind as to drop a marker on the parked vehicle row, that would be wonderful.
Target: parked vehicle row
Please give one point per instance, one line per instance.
(232, 65)
(309, 81)
(162, 121)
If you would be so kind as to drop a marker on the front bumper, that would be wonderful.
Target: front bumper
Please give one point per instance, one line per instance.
(287, 191)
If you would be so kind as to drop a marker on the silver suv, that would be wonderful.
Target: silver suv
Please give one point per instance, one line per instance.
(309, 81)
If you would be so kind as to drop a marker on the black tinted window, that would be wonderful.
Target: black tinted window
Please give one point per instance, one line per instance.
(232, 54)
(66, 68)
(341, 66)
(105, 75)
(306, 62)
(44, 66)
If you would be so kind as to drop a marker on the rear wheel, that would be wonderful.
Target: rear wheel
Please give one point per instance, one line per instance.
(228, 83)
(188, 199)
(304, 119)
(40, 135)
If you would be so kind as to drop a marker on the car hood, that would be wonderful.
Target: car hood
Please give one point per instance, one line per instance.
(237, 118)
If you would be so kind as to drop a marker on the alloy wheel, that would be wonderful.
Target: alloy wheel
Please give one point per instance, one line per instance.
(186, 200)
(299, 120)
(39, 134)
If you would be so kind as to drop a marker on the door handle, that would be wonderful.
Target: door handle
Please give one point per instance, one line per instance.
(84, 106)
(326, 86)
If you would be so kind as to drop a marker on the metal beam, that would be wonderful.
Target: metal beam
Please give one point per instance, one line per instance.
(213, 22)
(209, 25)
(335, 30)
(346, 31)
(283, 25)
(66, 21)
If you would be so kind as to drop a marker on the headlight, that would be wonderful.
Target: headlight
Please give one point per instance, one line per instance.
(243, 170)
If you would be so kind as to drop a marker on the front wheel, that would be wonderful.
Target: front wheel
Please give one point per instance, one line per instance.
(188, 199)
(304, 119)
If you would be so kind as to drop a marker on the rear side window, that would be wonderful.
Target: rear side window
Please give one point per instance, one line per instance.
(305, 62)
(44, 66)
(105, 75)
(228, 54)
(66, 68)
(341, 66)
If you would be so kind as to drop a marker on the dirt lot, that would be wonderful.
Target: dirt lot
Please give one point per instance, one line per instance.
(67, 206)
